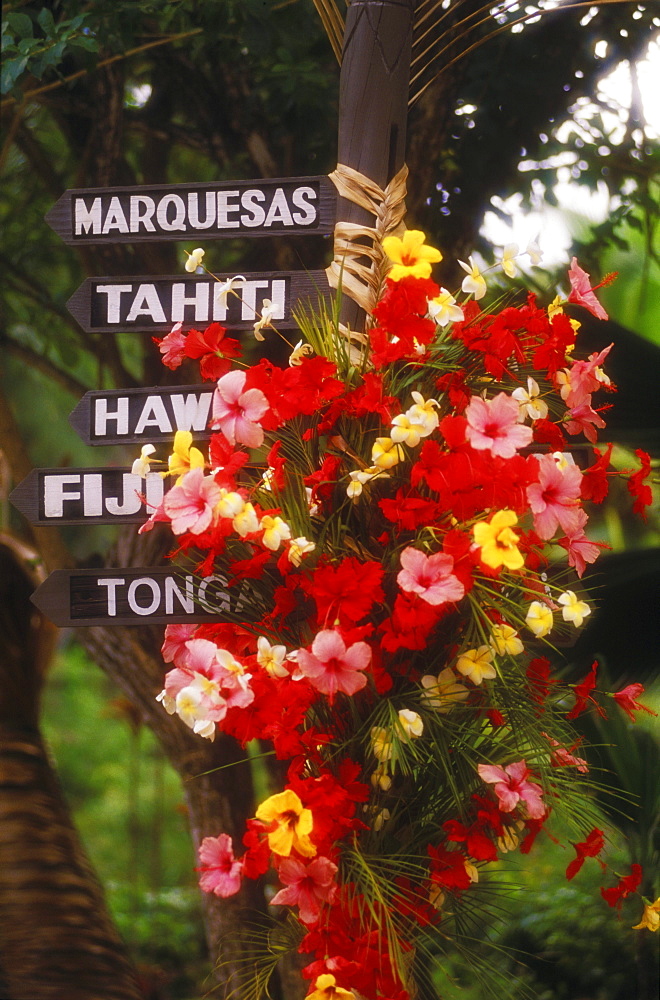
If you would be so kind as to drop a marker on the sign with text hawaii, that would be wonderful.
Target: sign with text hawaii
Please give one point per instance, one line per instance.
(272, 207)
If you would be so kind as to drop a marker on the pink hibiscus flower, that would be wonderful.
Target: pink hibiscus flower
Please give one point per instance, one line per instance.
(581, 291)
(555, 498)
(580, 550)
(221, 872)
(174, 644)
(190, 504)
(583, 419)
(306, 886)
(583, 378)
(512, 787)
(429, 576)
(236, 412)
(331, 667)
(493, 426)
(172, 347)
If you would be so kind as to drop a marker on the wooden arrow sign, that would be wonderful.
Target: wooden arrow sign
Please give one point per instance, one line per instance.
(199, 212)
(162, 595)
(150, 304)
(137, 416)
(89, 496)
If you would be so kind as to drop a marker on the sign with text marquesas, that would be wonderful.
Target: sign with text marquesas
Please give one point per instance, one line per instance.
(291, 206)
(139, 416)
(89, 496)
(161, 595)
(151, 304)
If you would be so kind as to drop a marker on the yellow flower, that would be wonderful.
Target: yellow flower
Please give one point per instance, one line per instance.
(505, 639)
(573, 609)
(299, 547)
(410, 725)
(410, 255)
(539, 619)
(275, 531)
(476, 664)
(386, 453)
(294, 824)
(381, 744)
(498, 542)
(509, 254)
(443, 691)
(650, 917)
(194, 260)
(325, 988)
(184, 457)
(406, 431)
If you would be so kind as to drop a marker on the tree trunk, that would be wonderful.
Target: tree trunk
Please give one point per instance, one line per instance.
(57, 938)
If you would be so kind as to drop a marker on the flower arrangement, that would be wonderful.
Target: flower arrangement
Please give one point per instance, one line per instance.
(402, 531)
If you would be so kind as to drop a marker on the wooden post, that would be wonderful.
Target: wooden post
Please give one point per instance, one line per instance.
(373, 101)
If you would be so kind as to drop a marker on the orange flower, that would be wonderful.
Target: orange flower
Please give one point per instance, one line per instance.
(294, 824)
(325, 988)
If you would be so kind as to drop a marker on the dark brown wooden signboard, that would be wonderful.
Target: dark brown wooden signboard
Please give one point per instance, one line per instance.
(291, 206)
(89, 496)
(162, 595)
(150, 304)
(138, 416)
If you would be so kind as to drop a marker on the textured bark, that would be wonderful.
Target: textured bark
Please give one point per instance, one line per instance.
(56, 936)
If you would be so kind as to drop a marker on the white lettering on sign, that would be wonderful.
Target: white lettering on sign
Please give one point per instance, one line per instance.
(55, 493)
(195, 210)
(148, 596)
(90, 489)
(146, 303)
(163, 413)
(200, 300)
(111, 596)
(102, 415)
(114, 293)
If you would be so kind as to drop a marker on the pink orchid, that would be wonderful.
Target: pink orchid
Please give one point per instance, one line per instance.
(221, 667)
(583, 419)
(512, 787)
(221, 872)
(583, 378)
(306, 886)
(581, 291)
(580, 550)
(331, 667)
(493, 425)
(172, 347)
(236, 412)
(555, 498)
(190, 504)
(561, 757)
(429, 576)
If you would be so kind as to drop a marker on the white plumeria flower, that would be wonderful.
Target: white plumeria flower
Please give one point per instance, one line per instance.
(246, 521)
(504, 639)
(474, 283)
(443, 309)
(271, 658)
(423, 411)
(362, 476)
(194, 260)
(230, 503)
(275, 531)
(573, 609)
(406, 431)
(411, 725)
(300, 351)
(298, 548)
(311, 503)
(265, 319)
(534, 252)
(564, 459)
(142, 465)
(509, 254)
(224, 288)
(529, 402)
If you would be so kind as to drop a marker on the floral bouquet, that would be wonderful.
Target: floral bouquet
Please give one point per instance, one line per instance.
(401, 526)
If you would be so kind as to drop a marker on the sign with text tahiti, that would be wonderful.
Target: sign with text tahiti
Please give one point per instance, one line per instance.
(291, 206)
(152, 304)
(161, 595)
(89, 496)
(143, 415)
